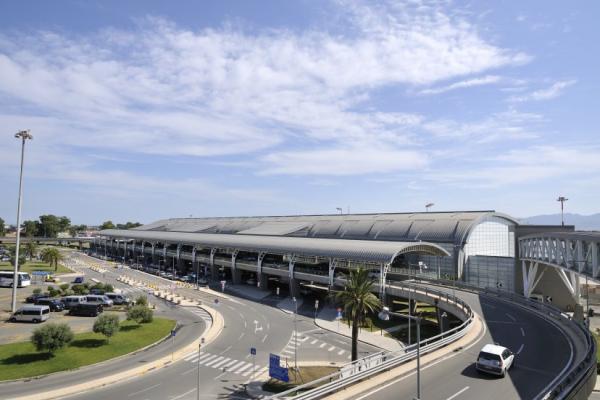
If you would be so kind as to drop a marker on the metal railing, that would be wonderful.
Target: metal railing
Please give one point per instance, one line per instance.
(373, 364)
(568, 384)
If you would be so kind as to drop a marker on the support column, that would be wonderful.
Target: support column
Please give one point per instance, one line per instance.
(142, 254)
(178, 263)
(294, 287)
(236, 276)
(530, 280)
(260, 277)
(213, 268)
(331, 272)
(153, 253)
(195, 264)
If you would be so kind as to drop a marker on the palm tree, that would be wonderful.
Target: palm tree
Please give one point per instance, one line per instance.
(358, 299)
(52, 256)
(31, 249)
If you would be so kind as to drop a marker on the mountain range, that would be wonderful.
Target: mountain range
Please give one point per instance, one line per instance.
(581, 222)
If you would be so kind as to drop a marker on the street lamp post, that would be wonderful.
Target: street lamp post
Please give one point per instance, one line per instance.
(385, 316)
(295, 334)
(23, 135)
(199, 354)
(562, 200)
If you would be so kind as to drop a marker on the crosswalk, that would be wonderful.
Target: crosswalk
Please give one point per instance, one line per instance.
(224, 363)
(299, 340)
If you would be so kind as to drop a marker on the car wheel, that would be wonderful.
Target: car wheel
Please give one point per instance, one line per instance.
(13, 319)
(35, 321)
(503, 373)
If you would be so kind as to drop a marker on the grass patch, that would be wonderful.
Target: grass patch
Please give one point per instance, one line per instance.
(21, 360)
(305, 374)
(31, 266)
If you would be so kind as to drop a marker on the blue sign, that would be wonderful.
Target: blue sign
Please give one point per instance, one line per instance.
(40, 273)
(253, 351)
(173, 332)
(276, 370)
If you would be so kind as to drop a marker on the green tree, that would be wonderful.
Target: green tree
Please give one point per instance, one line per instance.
(75, 229)
(50, 226)
(107, 225)
(2, 228)
(52, 337)
(30, 228)
(63, 224)
(31, 249)
(140, 314)
(141, 301)
(13, 254)
(107, 324)
(52, 256)
(357, 300)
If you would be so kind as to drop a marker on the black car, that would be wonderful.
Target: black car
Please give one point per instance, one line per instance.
(54, 304)
(97, 291)
(86, 310)
(33, 298)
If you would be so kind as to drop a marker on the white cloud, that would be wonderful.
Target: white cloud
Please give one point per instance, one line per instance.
(555, 90)
(163, 90)
(485, 80)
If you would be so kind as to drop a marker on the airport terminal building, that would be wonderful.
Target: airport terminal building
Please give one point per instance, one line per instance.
(477, 247)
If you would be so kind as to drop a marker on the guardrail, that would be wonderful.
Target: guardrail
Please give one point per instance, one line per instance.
(568, 384)
(366, 367)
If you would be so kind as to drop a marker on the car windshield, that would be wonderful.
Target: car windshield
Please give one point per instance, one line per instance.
(489, 356)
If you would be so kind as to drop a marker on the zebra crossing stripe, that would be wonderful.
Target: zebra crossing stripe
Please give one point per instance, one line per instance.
(322, 345)
(190, 356)
(341, 352)
(208, 358)
(331, 348)
(235, 366)
(214, 361)
(243, 368)
(217, 365)
(230, 363)
(314, 341)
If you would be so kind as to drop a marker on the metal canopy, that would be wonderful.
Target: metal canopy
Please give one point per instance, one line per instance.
(358, 250)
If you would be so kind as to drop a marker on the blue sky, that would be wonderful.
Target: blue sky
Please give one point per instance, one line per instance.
(142, 110)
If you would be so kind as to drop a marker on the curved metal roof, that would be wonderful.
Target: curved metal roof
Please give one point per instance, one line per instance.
(438, 227)
(357, 250)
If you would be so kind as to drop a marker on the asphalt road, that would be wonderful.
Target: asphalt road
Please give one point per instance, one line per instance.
(542, 352)
(226, 363)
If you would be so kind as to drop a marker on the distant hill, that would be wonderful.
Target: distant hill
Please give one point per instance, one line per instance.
(581, 222)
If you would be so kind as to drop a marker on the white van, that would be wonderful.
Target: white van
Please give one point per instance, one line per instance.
(495, 359)
(100, 299)
(31, 314)
(71, 301)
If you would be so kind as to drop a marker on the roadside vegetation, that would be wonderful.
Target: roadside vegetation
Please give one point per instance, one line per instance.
(30, 266)
(304, 375)
(57, 353)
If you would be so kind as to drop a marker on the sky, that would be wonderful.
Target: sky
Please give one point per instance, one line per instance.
(143, 110)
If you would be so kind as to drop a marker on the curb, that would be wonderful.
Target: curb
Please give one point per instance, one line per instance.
(339, 333)
(209, 335)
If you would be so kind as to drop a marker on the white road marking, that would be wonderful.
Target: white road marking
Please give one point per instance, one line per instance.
(511, 317)
(520, 349)
(458, 393)
(241, 336)
(243, 368)
(212, 356)
(341, 352)
(217, 365)
(182, 395)
(522, 332)
(331, 348)
(143, 390)
(322, 345)
(265, 338)
(314, 341)
(227, 349)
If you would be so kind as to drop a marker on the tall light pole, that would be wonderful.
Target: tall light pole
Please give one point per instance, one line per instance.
(428, 206)
(385, 316)
(23, 135)
(339, 209)
(562, 200)
(295, 334)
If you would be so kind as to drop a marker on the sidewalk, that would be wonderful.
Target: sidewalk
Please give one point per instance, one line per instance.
(287, 305)
(326, 320)
(247, 291)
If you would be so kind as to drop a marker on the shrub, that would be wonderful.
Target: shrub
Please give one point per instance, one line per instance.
(80, 289)
(52, 337)
(141, 301)
(63, 287)
(108, 288)
(52, 292)
(37, 291)
(107, 324)
(140, 314)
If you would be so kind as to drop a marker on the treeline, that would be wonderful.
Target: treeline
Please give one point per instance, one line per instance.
(51, 225)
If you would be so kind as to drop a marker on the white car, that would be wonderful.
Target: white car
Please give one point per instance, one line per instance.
(495, 359)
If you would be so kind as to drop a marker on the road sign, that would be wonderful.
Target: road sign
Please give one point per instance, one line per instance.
(223, 285)
(216, 302)
(173, 332)
(339, 314)
(253, 351)
(276, 370)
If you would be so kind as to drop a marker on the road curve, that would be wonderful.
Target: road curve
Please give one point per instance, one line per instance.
(543, 351)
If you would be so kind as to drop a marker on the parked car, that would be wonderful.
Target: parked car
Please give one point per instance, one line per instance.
(97, 291)
(34, 297)
(251, 282)
(70, 301)
(78, 279)
(54, 304)
(118, 298)
(202, 281)
(103, 300)
(86, 310)
(495, 360)
(33, 314)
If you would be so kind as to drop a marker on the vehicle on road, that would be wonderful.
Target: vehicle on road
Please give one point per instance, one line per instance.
(6, 279)
(103, 300)
(78, 279)
(33, 298)
(202, 281)
(54, 304)
(495, 359)
(70, 301)
(251, 282)
(86, 310)
(118, 298)
(33, 314)
(97, 291)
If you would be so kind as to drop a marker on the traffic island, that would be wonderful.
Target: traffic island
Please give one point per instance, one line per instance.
(303, 375)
